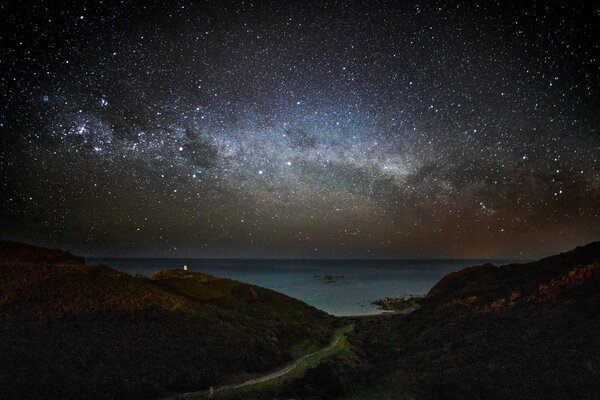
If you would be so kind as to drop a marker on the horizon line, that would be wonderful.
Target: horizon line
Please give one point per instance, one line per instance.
(305, 259)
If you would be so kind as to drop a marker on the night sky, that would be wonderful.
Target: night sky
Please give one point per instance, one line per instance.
(258, 129)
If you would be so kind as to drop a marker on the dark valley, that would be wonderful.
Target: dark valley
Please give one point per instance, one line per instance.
(71, 330)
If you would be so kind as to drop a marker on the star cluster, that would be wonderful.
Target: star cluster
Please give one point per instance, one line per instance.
(265, 129)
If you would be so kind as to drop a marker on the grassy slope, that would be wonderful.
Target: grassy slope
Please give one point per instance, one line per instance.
(14, 252)
(339, 347)
(520, 331)
(76, 331)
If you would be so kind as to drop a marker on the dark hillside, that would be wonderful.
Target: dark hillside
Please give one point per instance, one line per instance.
(488, 282)
(13, 252)
(76, 331)
(527, 331)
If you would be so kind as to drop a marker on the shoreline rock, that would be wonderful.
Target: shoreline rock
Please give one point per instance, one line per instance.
(398, 303)
(330, 278)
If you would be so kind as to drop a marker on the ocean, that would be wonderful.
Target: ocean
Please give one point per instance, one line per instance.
(339, 287)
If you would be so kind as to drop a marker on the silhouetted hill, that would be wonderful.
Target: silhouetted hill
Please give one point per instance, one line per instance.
(13, 252)
(488, 282)
(73, 331)
(526, 331)
(520, 331)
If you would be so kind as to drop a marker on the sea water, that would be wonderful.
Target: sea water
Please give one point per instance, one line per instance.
(339, 287)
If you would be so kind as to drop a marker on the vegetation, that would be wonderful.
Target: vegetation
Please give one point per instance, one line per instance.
(75, 331)
(13, 252)
(339, 347)
(403, 304)
(518, 331)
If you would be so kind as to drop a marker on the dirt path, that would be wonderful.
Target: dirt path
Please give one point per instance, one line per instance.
(284, 370)
(273, 375)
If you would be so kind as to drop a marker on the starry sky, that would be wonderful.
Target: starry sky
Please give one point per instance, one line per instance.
(414, 129)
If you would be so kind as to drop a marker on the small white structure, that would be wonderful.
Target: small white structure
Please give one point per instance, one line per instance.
(185, 267)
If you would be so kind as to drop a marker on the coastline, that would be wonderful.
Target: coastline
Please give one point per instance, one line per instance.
(362, 284)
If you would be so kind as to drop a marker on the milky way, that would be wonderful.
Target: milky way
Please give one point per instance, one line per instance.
(255, 129)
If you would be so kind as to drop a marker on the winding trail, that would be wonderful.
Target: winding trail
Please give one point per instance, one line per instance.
(285, 370)
(321, 353)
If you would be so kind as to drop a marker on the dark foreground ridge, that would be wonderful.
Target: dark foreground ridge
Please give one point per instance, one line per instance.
(21, 253)
(520, 331)
(528, 331)
(72, 331)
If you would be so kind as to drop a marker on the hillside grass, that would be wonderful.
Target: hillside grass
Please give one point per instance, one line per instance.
(78, 331)
(486, 332)
(339, 346)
